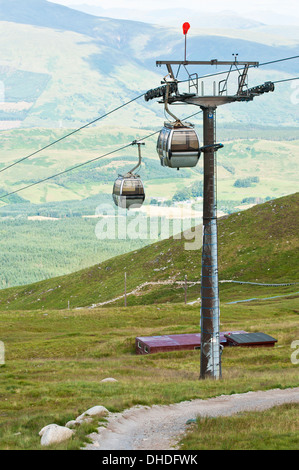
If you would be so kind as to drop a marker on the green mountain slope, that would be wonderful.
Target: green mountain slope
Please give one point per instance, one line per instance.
(258, 245)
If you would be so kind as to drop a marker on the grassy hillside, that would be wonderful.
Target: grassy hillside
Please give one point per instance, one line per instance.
(55, 358)
(259, 245)
(55, 361)
(276, 428)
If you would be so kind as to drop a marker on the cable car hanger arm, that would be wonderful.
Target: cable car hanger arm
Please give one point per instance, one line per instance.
(177, 120)
(135, 142)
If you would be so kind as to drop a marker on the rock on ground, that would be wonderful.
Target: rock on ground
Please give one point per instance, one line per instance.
(54, 434)
(94, 412)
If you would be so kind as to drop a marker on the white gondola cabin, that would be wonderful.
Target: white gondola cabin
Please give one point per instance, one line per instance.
(178, 145)
(128, 192)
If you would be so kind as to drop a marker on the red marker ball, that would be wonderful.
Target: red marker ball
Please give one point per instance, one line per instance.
(186, 27)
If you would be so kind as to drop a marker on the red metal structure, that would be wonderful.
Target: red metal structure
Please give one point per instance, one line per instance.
(154, 344)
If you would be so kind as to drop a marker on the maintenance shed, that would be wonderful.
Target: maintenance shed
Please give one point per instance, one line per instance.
(250, 339)
(154, 344)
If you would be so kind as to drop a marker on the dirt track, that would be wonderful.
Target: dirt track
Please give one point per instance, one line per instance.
(160, 427)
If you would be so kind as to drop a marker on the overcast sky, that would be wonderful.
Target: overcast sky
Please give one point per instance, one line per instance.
(289, 7)
(269, 12)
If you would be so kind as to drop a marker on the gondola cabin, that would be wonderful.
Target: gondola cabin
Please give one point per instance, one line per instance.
(128, 192)
(178, 145)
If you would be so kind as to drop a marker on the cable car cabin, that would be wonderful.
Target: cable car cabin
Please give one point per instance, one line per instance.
(128, 192)
(178, 146)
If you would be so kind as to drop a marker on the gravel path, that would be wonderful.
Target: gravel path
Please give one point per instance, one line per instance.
(161, 427)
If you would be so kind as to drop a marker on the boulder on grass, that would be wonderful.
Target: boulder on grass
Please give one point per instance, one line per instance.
(54, 434)
(94, 412)
(97, 411)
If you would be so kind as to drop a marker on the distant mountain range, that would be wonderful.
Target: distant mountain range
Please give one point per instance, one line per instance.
(61, 67)
(46, 14)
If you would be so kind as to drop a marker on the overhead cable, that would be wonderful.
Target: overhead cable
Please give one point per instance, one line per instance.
(65, 171)
(286, 80)
(70, 134)
(123, 105)
(121, 148)
(84, 163)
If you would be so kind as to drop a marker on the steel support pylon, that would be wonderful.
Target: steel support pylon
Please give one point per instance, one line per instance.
(210, 365)
(210, 360)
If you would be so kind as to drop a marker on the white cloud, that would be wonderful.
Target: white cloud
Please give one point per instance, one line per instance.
(286, 7)
(265, 11)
